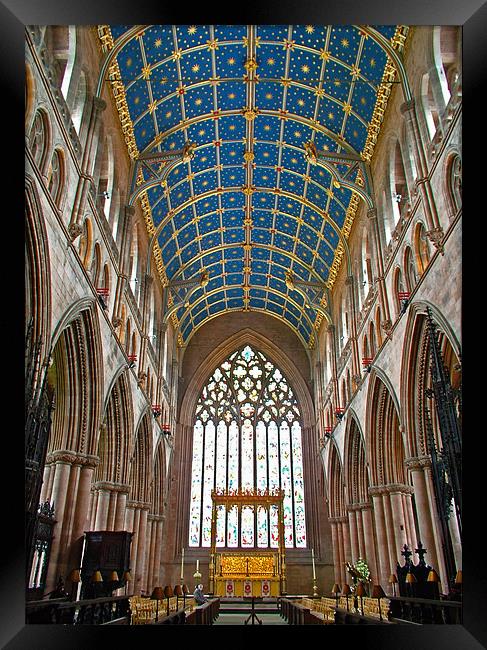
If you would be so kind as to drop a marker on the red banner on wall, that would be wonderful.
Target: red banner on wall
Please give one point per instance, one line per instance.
(266, 587)
(229, 588)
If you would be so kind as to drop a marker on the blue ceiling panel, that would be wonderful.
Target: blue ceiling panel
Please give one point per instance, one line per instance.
(250, 98)
(202, 132)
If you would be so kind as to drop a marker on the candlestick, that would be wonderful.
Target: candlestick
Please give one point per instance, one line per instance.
(313, 559)
(182, 565)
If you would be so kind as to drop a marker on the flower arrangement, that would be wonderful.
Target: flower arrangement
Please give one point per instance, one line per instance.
(360, 573)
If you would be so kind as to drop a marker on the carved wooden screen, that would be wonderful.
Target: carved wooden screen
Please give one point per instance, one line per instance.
(247, 434)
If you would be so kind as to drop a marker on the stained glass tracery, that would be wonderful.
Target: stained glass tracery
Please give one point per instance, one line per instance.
(247, 434)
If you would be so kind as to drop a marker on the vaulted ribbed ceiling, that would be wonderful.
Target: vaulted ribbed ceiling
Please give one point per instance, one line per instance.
(249, 206)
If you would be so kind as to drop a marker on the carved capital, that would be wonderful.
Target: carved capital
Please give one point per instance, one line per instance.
(386, 326)
(116, 321)
(72, 458)
(436, 237)
(354, 507)
(74, 230)
(392, 488)
(372, 213)
(376, 490)
(349, 280)
(330, 328)
(153, 517)
(338, 520)
(139, 505)
(111, 487)
(415, 463)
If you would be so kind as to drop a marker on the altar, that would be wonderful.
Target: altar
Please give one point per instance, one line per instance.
(243, 574)
(248, 572)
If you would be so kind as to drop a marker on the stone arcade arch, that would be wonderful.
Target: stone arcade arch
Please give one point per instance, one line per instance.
(359, 506)
(337, 514)
(390, 492)
(415, 381)
(111, 487)
(76, 378)
(138, 505)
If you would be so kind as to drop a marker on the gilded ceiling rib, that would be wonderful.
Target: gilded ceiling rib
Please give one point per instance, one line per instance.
(266, 289)
(394, 66)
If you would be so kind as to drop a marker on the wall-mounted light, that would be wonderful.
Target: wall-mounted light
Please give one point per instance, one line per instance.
(367, 363)
(339, 412)
(166, 429)
(156, 410)
(404, 298)
(103, 296)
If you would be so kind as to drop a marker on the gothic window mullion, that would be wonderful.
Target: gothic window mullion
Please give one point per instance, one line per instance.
(291, 470)
(226, 482)
(203, 447)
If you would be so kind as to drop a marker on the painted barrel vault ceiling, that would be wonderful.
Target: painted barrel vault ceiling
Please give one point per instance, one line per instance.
(250, 206)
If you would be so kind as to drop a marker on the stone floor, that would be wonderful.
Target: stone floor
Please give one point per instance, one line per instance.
(237, 611)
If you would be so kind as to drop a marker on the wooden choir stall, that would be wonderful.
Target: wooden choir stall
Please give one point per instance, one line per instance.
(257, 572)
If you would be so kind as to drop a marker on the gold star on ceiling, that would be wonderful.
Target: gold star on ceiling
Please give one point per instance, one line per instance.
(192, 29)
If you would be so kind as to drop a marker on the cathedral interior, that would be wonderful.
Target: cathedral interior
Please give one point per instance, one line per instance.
(243, 322)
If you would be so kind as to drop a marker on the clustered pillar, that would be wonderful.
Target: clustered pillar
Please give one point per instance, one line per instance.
(67, 479)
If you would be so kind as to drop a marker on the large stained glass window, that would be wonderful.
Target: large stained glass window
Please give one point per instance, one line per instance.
(247, 434)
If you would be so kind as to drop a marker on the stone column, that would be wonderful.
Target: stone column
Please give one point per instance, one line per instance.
(80, 521)
(149, 552)
(92, 509)
(393, 553)
(46, 483)
(119, 522)
(101, 516)
(352, 522)
(157, 551)
(408, 511)
(336, 551)
(124, 263)
(384, 568)
(341, 546)
(370, 553)
(356, 365)
(141, 549)
(437, 545)
(62, 470)
(111, 510)
(426, 534)
(75, 226)
(148, 281)
(334, 375)
(423, 183)
(360, 533)
(346, 541)
(382, 291)
(398, 517)
(132, 514)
